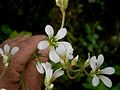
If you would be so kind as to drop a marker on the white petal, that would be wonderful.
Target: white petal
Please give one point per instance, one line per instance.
(49, 30)
(108, 70)
(66, 44)
(6, 49)
(43, 45)
(44, 66)
(61, 33)
(47, 65)
(39, 68)
(95, 81)
(57, 73)
(93, 62)
(1, 52)
(100, 60)
(106, 81)
(49, 73)
(60, 49)
(68, 49)
(54, 56)
(14, 50)
(69, 52)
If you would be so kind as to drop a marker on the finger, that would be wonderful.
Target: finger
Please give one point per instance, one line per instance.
(32, 78)
(26, 49)
(44, 54)
(11, 43)
(16, 40)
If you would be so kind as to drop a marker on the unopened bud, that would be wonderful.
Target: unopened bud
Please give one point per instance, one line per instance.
(74, 61)
(63, 4)
(87, 63)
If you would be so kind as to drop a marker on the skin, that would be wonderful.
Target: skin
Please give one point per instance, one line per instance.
(23, 63)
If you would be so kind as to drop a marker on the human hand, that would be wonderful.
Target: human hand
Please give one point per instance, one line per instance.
(22, 62)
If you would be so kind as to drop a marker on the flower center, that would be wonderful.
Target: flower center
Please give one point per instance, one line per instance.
(53, 42)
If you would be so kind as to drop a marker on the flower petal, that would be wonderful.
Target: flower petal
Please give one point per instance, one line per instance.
(39, 68)
(60, 49)
(49, 73)
(1, 52)
(14, 50)
(93, 62)
(54, 56)
(66, 44)
(106, 81)
(6, 49)
(49, 30)
(57, 74)
(43, 45)
(95, 81)
(100, 60)
(61, 33)
(108, 70)
(69, 53)
(46, 65)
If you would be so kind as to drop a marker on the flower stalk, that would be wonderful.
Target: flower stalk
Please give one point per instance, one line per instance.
(63, 19)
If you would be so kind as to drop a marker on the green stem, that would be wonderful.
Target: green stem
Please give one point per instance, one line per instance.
(22, 83)
(63, 19)
(85, 72)
(48, 88)
(3, 72)
(71, 77)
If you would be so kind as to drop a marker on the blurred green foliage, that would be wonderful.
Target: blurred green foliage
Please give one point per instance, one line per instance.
(7, 32)
(93, 26)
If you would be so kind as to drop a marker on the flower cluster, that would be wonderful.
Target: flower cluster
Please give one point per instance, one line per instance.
(62, 53)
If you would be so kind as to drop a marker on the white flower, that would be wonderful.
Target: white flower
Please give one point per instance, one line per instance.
(52, 40)
(63, 55)
(97, 73)
(7, 53)
(49, 75)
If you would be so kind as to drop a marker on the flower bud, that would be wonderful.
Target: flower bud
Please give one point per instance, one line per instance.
(74, 61)
(63, 4)
(86, 64)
